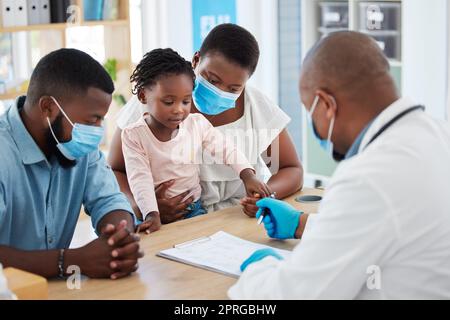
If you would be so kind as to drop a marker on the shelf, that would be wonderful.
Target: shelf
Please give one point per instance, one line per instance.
(381, 32)
(64, 26)
(325, 30)
(111, 23)
(395, 63)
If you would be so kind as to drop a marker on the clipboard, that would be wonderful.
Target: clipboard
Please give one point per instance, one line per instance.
(221, 253)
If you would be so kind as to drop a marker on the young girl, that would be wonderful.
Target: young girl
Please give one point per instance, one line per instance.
(167, 143)
(227, 58)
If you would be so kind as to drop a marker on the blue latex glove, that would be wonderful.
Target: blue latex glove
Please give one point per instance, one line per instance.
(283, 219)
(259, 255)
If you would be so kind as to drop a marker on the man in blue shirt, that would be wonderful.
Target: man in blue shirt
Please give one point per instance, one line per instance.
(51, 166)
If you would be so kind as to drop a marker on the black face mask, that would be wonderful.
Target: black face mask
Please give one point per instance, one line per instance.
(51, 144)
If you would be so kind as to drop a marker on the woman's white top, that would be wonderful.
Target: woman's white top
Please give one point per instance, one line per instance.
(253, 133)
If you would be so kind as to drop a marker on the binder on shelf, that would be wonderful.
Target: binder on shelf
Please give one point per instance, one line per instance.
(111, 10)
(44, 12)
(33, 7)
(93, 10)
(58, 10)
(20, 13)
(7, 7)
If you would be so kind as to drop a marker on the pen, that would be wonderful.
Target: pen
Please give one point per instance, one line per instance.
(266, 210)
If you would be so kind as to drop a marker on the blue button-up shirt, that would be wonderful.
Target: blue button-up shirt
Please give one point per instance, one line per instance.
(40, 201)
(354, 149)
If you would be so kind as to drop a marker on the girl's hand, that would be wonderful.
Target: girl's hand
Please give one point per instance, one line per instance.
(254, 186)
(151, 224)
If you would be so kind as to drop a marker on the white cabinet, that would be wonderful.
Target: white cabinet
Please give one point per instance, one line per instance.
(415, 35)
(380, 19)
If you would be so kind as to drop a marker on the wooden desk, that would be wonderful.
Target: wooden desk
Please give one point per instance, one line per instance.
(158, 278)
(25, 285)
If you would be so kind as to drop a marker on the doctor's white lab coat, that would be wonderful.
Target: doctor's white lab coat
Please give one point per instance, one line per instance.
(383, 228)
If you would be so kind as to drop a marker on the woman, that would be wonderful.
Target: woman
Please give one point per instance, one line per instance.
(226, 61)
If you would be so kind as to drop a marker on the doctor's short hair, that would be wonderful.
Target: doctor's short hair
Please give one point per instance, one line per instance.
(157, 64)
(67, 72)
(235, 43)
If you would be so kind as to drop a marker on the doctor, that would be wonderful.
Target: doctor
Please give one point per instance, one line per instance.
(383, 228)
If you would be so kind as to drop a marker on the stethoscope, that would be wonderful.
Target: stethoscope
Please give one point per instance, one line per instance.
(393, 121)
(314, 198)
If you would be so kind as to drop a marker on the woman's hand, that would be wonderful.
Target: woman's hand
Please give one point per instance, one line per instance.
(151, 224)
(171, 209)
(249, 205)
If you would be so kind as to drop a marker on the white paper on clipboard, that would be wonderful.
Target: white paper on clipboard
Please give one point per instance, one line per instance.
(221, 252)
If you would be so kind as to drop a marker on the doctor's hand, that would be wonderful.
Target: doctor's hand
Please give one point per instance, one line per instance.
(259, 255)
(283, 219)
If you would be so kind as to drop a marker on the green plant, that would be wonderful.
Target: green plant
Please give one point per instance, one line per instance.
(111, 67)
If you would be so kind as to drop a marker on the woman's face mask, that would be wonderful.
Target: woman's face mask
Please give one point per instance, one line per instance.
(211, 100)
(85, 139)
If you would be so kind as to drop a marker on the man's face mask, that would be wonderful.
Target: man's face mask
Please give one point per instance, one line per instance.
(85, 139)
(326, 144)
(211, 100)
